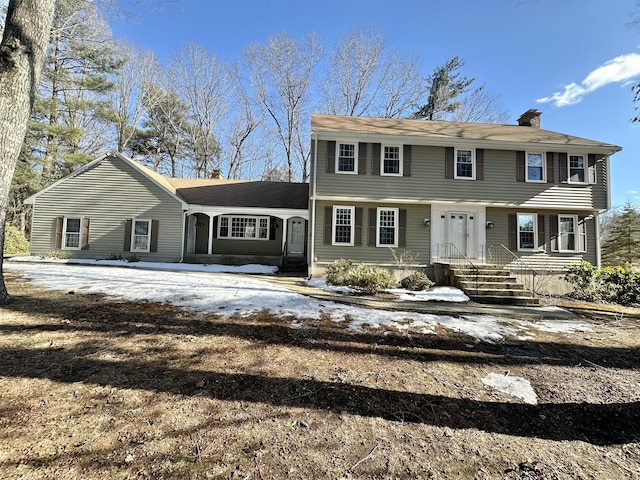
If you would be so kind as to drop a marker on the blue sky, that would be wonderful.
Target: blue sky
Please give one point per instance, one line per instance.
(574, 60)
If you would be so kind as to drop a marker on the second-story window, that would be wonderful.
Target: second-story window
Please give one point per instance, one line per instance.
(577, 169)
(464, 167)
(535, 167)
(346, 158)
(391, 160)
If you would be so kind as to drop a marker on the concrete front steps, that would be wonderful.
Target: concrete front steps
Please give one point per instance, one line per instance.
(491, 284)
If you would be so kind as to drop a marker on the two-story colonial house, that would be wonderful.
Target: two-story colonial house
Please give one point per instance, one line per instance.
(445, 190)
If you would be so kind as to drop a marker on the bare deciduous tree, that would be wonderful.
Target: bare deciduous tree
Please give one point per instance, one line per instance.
(365, 80)
(22, 52)
(279, 76)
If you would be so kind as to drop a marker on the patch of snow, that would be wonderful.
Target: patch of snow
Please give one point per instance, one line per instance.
(562, 326)
(514, 386)
(228, 295)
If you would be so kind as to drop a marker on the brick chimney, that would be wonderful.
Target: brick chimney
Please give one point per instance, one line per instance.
(530, 118)
(217, 174)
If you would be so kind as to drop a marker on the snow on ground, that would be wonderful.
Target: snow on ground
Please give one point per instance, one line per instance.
(227, 295)
(514, 386)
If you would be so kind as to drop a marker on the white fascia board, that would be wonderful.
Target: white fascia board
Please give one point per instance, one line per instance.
(257, 211)
(435, 141)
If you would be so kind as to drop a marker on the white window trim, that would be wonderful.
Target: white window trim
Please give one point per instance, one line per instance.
(133, 235)
(535, 232)
(230, 229)
(64, 234)
(353, 226)
(526, 167)
(585, 168)
(576, 234)
(473, 163)
(400, 160)
(396, 227)
(355, 159)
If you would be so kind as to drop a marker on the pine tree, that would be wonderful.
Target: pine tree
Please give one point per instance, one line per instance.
(622, 244)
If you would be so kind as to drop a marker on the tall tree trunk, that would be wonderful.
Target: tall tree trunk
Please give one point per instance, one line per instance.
(22, 52)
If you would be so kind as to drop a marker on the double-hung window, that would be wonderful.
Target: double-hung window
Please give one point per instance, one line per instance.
(535, 167)
(141, 236)
(567, 233)
(343, 225)
(387, 231)
(346, 157)
(243, 227)
(391, 160)
(465, 164)
(71, 233)
(526, 231)
(577, 169)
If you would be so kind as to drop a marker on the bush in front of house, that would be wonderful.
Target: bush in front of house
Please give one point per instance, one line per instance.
(620, 284)
(416, 281)
(15, 243)
(368, 279)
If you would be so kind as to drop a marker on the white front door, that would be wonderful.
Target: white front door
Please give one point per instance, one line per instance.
(458, 233)
(295, 237)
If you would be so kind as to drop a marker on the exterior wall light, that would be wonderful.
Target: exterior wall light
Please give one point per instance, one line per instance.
(489, 224)
(427, 222)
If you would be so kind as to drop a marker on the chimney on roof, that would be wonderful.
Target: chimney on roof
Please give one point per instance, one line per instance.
(216, 174)
(530, 118)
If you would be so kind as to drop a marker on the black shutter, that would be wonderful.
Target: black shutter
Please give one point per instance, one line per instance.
(362, 158)
(550, 170)
(375, 159)
(448, 162)
(328, 219)
(562, 159)
(541, 232)
(513, 231)
(402, 231)
(215, 226)
(84, 233)
(127, 235)
(358, 227)
(59, 228)
(479, 163)
(331, 156)
(582, 234)
(553, 228)
(273, 227)
(154, 235)
(371, 241)
(520, 166)
(406, 160)
(592, 168)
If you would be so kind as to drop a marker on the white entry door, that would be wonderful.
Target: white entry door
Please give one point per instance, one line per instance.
(458, 233)
(295, 237)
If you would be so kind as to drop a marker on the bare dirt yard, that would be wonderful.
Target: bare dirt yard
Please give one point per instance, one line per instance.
(95, 389)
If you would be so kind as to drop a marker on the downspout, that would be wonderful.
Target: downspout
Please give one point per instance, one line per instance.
(312, 249)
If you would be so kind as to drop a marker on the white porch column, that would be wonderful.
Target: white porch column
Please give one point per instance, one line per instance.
(210, 239)
(285, 222)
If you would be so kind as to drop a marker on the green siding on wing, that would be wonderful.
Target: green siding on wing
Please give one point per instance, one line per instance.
(109, 193)
(428, 183)
(547, 260)
(417, 237)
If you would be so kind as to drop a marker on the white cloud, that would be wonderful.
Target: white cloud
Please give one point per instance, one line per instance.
(618, 70)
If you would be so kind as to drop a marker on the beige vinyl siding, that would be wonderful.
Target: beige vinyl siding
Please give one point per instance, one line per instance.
(417, 236)
(546, 260)
(427, 183)
(109, 193)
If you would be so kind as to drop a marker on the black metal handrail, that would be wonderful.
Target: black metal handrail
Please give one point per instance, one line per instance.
(449, 253)
(498, 254)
